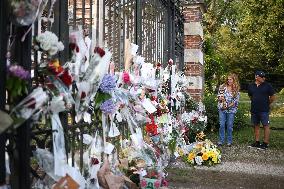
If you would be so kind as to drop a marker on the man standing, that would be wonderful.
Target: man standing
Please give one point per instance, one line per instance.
(262, 95)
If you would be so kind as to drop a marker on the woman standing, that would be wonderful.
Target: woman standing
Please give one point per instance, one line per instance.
(228, 100)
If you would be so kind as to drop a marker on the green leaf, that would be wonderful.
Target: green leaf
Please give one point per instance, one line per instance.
(100, 98)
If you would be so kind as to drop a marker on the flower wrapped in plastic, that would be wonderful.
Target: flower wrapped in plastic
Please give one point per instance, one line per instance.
(108, 84)
(80, 55)
(194, 121)
(108, 107)
(62, 89)
(33, 103)
(97, 69)
(26, 12)
(48, 42)
(17, 81)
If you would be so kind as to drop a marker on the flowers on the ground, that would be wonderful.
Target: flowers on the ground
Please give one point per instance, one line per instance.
(202, 153)
(108, 83)
(194, 121)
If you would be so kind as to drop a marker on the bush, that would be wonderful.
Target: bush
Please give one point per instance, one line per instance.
(210, 102)
(212, 114)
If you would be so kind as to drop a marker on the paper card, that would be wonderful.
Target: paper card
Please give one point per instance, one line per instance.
(113, 131)
(143, 172)
(87, 139)
(108, 148)
(176, 154)
(147, 183)
(163, 118)
(118, 116)
(149, 107)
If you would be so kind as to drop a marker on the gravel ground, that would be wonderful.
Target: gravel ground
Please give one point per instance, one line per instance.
(241, 167)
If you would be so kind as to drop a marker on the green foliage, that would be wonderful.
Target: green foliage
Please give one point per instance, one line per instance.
(243, 36)
(16, 87)
(241, 117)
(212, 114)
(100, 98)
(190, 103)
(173, 142)
(281, 92)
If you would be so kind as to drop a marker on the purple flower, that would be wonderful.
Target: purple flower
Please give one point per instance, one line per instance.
(19, 71)
(107, 107)
(108, 84)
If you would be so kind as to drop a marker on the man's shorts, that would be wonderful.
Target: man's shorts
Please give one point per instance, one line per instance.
(262, 117)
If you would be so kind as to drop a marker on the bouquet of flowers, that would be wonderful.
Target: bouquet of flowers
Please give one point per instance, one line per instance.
(201, 153)
(17, 81)
(26, 12)
(194, 121)
(48, 42)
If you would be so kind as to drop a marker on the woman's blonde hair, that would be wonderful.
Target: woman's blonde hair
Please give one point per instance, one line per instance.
(236, 84)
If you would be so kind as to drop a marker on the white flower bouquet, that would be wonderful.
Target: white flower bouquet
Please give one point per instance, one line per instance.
(48, 42)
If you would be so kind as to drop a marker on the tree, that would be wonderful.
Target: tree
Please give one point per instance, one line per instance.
(246, 35)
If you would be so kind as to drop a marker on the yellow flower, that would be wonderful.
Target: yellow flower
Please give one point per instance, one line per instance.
(214, 159)
(210, 153)
(191, 156)
(56, 64)
(205, 156)
(180, 152)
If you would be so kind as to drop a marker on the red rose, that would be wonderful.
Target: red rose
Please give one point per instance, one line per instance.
(151, 128)
(77, 49)
(126, 77)
(72, 46)
(100, 51)
(94, 161)
(153, 98)
(83, 95)
(66, 78)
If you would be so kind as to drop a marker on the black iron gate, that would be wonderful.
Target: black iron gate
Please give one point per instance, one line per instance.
(156, 26)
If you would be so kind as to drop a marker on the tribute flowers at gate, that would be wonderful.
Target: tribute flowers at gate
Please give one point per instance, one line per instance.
(201, 153)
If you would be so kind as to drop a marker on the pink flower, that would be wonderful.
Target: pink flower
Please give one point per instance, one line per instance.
(126, 77)
(171, 62)
(165, 183)
(157, 183)
(143, 183)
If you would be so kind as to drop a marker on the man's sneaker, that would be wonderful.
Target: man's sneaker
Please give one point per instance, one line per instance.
(263, 146)
(255, 145)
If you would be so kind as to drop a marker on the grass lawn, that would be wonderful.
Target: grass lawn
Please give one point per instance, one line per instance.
(245, 135)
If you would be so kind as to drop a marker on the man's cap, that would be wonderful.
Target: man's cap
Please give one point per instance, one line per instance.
(260, 73)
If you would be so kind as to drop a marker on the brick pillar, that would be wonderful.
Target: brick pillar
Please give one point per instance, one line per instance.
(193, 55)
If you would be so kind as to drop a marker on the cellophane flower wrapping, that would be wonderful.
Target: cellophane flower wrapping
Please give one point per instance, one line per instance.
(96, 71)
(33, 103)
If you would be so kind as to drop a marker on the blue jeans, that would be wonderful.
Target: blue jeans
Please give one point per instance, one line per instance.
(226, 119)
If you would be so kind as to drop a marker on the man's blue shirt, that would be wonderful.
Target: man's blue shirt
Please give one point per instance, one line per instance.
(260, 96)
